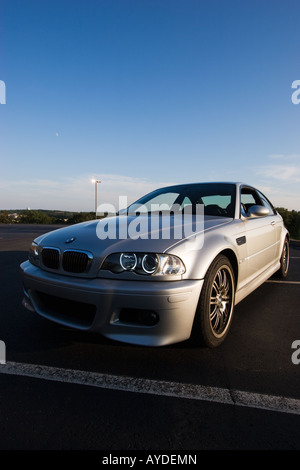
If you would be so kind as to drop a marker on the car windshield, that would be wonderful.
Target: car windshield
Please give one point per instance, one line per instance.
(218, 199)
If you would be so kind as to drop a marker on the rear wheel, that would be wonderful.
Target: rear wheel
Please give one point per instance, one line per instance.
(215, 309)
(284, 260)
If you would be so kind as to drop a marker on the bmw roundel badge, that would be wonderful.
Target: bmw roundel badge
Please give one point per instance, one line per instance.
(70, 240)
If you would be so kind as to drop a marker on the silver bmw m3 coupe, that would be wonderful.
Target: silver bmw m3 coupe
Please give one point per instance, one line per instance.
(173, 264)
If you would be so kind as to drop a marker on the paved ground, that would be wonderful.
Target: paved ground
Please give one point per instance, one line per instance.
(61, 389)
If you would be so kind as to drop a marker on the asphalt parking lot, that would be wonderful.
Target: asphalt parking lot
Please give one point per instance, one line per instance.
(62, 389)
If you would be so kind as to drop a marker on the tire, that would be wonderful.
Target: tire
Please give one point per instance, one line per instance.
(216, 304)
(284, 260)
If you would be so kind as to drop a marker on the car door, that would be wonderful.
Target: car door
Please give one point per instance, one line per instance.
(260, 234)
(276, 222)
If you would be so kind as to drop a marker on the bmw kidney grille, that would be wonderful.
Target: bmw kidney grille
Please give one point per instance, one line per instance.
(72, 261)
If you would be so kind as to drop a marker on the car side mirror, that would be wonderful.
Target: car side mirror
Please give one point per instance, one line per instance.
(258, 211)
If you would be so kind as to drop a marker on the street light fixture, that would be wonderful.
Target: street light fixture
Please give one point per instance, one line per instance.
(96, 205)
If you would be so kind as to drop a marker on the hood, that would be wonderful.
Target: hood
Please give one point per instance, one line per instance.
(141, 233)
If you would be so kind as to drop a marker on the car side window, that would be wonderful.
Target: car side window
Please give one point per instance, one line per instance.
(266, 203)
(249, 197)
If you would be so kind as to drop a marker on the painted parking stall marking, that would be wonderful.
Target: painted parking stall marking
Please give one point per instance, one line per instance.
(155, 387)
(283, 282)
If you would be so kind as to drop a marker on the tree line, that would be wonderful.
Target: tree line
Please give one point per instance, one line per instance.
(44, 217)
(291, 221)
(291, 218)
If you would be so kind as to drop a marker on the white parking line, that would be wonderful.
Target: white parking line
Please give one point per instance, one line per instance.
(155, 387)
(283, 282)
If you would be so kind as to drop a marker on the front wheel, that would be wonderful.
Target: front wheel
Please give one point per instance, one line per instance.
(215, 309)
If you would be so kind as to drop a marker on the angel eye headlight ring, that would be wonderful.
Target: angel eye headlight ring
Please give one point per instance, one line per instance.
(128, 261)
(150, 263)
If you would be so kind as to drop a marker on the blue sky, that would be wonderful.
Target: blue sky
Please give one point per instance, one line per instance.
(143, 93)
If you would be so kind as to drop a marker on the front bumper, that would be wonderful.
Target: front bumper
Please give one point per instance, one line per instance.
(150, 313)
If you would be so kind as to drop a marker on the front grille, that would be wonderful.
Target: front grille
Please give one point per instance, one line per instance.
(72, 261)
(75, 261)
(50, 257)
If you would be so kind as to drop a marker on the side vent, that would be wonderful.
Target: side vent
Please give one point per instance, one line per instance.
(241, 240)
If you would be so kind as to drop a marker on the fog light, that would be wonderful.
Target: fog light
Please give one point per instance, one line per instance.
(138, 317)
(27, 304)
(148, 317)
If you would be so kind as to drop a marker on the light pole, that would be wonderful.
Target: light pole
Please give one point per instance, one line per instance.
(96, 205)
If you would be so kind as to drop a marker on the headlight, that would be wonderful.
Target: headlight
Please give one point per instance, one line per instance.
(128, 261)
(150, 263)
(33, 254)
(144, 263)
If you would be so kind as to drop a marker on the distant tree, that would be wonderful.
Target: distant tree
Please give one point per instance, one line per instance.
(35, 217)
(292, 221)
(81, 217)
(4, 218)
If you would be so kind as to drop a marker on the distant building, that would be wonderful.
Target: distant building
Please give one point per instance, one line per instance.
(14, 215)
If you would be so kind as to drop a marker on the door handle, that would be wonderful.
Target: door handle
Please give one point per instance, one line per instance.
(273, 222)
